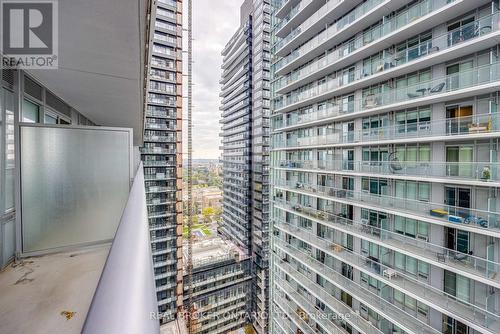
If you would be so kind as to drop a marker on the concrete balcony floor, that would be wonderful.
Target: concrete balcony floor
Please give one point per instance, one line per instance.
(50, 293)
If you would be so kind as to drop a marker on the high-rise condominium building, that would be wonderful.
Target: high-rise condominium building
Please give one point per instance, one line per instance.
(161, 153)
(385, 172)
(245, 132)
(75, 251)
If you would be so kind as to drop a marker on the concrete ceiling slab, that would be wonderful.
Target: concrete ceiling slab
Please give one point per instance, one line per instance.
(101, 57)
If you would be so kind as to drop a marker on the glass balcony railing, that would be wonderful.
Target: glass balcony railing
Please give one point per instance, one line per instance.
(471, 217)
(405, 282)
(333, 303)
(158, 189)
(154, 138)
(297, 314)
(307, 309)
(157, 150)
(375, 301)
(346, 20)
(470, 31)
(464, 79)
(412, 13)
(479, 171)
(482, 123)
(161, 114)
(291, 14)
(162, 163)
(158, 126)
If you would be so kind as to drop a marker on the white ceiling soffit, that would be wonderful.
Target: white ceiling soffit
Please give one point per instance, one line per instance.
(101, 52)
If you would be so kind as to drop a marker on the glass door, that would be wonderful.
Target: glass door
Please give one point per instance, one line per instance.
(459, 75)
(459, 161)
(348, 132)
(458, 201)
(348, 159)
(459, 119)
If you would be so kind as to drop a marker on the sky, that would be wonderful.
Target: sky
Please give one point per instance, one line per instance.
(214, 22)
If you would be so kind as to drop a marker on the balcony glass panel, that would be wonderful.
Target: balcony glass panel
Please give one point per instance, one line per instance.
(418, 10)
(470, 216)
(470, 78)
(74, 185)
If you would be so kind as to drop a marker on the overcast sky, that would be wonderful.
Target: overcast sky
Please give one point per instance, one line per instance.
(214, 22)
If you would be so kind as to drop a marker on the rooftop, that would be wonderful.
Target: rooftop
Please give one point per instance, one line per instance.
(213, 249)
(42, 289)
(177, 326)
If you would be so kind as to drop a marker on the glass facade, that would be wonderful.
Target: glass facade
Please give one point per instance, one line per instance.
(245, 132)
(161, 155)
(384, 150)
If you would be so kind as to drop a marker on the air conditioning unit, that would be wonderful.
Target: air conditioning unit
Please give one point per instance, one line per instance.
(365, 221)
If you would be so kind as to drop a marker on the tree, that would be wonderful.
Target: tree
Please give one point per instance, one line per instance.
(207, 213)
(217, 213)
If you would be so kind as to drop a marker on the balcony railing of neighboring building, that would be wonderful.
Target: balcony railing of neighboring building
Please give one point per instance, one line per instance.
(485, 172)
(467, 263)
(470, 217)
(486, 123)
(453, 38)
(422, 91)
(468, 310)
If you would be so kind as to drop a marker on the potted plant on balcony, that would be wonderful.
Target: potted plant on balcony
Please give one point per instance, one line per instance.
(486, 174)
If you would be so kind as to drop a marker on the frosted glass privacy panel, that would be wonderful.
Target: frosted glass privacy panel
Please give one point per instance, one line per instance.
(74, 185)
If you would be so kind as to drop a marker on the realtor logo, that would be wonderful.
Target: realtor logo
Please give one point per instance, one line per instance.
(29, 34)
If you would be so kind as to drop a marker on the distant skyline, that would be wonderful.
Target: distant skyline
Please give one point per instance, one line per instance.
(210, 34)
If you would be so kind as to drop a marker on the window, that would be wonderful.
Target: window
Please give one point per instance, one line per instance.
(7, 179)
(411, 265)
(413, 120)
(374, 186)
(50, 119)
(413, 190)
(30, 112)
(411, 227)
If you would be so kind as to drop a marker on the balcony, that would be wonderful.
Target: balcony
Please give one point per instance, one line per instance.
(460, 128)
(480, 173)
(332, 30)
(474, 220)
(472, 37)
(478, 80)
(159, 139)
(160, 126)
(157, 150)
(286, 6)
(414, 20)
(304, 9)
(313, 311)
(468, 265)
(291, 313)
(160, 114)
(159, 163)
(388, 310)
(60, 284)
(473, 315)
